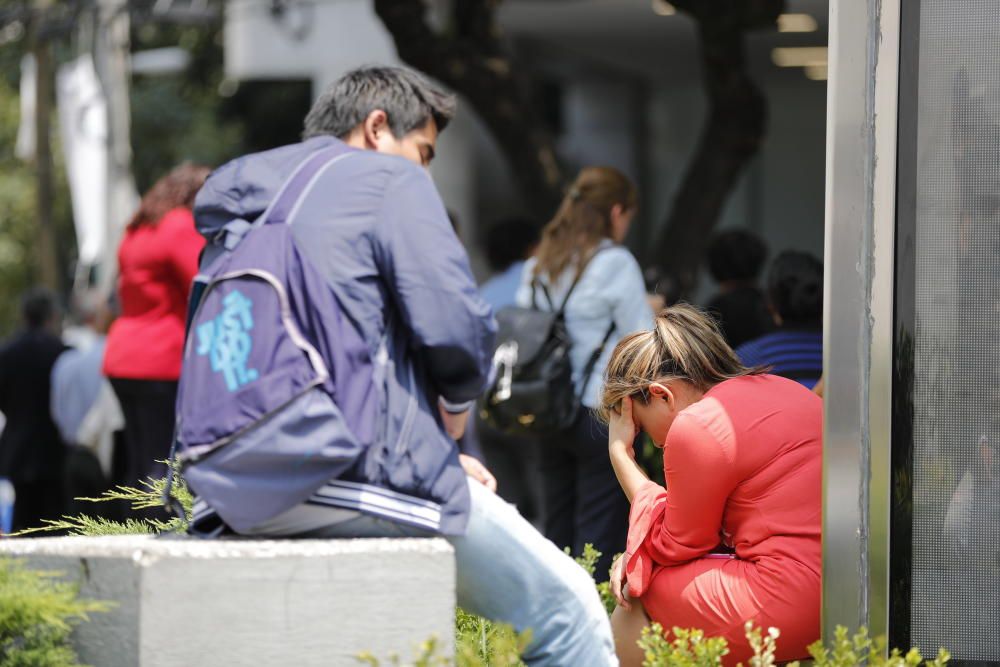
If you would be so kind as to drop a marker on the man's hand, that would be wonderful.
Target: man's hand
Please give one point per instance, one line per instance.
(619, 586)
(454, 422)
(477, 471)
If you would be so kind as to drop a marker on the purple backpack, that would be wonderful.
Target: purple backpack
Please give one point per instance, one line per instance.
(276, 394)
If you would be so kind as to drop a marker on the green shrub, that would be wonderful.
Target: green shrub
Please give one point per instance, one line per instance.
(860, 649)
(37, 615)
(689, 648)
(147, 495)
(478, 643)
(482, 643)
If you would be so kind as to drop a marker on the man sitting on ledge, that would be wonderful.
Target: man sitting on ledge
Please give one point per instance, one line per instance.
(374, 226)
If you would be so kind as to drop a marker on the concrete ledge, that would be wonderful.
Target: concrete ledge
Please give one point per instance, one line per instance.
(183, 602)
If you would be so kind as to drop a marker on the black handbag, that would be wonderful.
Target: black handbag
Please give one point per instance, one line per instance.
(532, 391)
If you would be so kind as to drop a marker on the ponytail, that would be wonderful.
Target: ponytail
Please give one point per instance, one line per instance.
(685, 344)
(583, 220)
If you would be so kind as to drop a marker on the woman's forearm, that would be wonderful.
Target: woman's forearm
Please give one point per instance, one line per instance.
(630, 475)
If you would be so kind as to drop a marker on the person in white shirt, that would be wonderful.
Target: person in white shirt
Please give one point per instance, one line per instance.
(85, 409)
(582, 501)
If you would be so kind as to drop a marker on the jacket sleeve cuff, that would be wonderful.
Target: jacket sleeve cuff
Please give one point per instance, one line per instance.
(455, 408)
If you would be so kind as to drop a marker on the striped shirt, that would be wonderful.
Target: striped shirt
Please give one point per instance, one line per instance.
(794, 354)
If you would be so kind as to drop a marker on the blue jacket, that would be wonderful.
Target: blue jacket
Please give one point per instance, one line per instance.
(376, 228)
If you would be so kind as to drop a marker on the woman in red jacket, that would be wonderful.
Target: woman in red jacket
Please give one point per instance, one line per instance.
(157, 260)
(735, 535)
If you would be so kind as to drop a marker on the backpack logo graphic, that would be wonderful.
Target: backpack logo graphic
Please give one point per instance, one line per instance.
(227, 342)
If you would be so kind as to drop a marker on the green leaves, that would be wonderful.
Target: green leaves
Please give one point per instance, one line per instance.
(860, 649)
(478, 643)
(148, 494)
(37, 614)
(482, 643)
(689, 648)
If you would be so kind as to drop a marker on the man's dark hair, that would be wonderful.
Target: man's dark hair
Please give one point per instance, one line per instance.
(795, 288)
(509, 241)
(38, 307)
(737, 254)
(408, 99)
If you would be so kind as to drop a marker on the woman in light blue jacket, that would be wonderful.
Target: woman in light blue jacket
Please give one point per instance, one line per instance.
(582, 501)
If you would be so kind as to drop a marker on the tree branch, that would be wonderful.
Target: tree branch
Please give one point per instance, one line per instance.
(471, 59)
(733, 132)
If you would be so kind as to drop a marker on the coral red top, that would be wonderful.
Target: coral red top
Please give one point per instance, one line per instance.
(156, 266)
(743, 471)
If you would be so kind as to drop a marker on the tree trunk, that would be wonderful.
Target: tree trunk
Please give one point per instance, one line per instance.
(733, 133)
(470, 59)
(46, 255)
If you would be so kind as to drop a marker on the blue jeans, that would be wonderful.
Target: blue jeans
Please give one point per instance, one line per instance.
(506, 571)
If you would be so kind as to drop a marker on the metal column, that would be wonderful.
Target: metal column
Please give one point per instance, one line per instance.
(859, 260)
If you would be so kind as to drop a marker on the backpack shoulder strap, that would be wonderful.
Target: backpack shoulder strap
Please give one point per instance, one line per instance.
(579, 275)
(286, 202)
(595, 356)
(536, 285)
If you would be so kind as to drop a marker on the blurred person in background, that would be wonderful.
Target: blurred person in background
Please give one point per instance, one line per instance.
(661, 289)
(157, 260)
(973, 516)
(513, 460)
(509, 244)
(581, 246)
(86, 410)
(32, 454)
(735, 260)
(795, 296)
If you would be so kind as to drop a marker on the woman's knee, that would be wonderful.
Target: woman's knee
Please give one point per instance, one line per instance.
(627, 626)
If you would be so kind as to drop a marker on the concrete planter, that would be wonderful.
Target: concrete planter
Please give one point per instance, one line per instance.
(184, 602)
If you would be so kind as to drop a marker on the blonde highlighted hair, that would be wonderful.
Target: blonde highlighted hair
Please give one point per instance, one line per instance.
(685, 344)
(583, 220)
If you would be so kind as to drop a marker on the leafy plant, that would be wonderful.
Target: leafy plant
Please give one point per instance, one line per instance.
(427, 657)
(149, 494)
(764, 646)
(689, 648)
(483, 643)
(861, 649)
(478, 643)
(588, 561)
(37, 615)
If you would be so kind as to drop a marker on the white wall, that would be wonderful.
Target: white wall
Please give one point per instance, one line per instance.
(310, 40)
